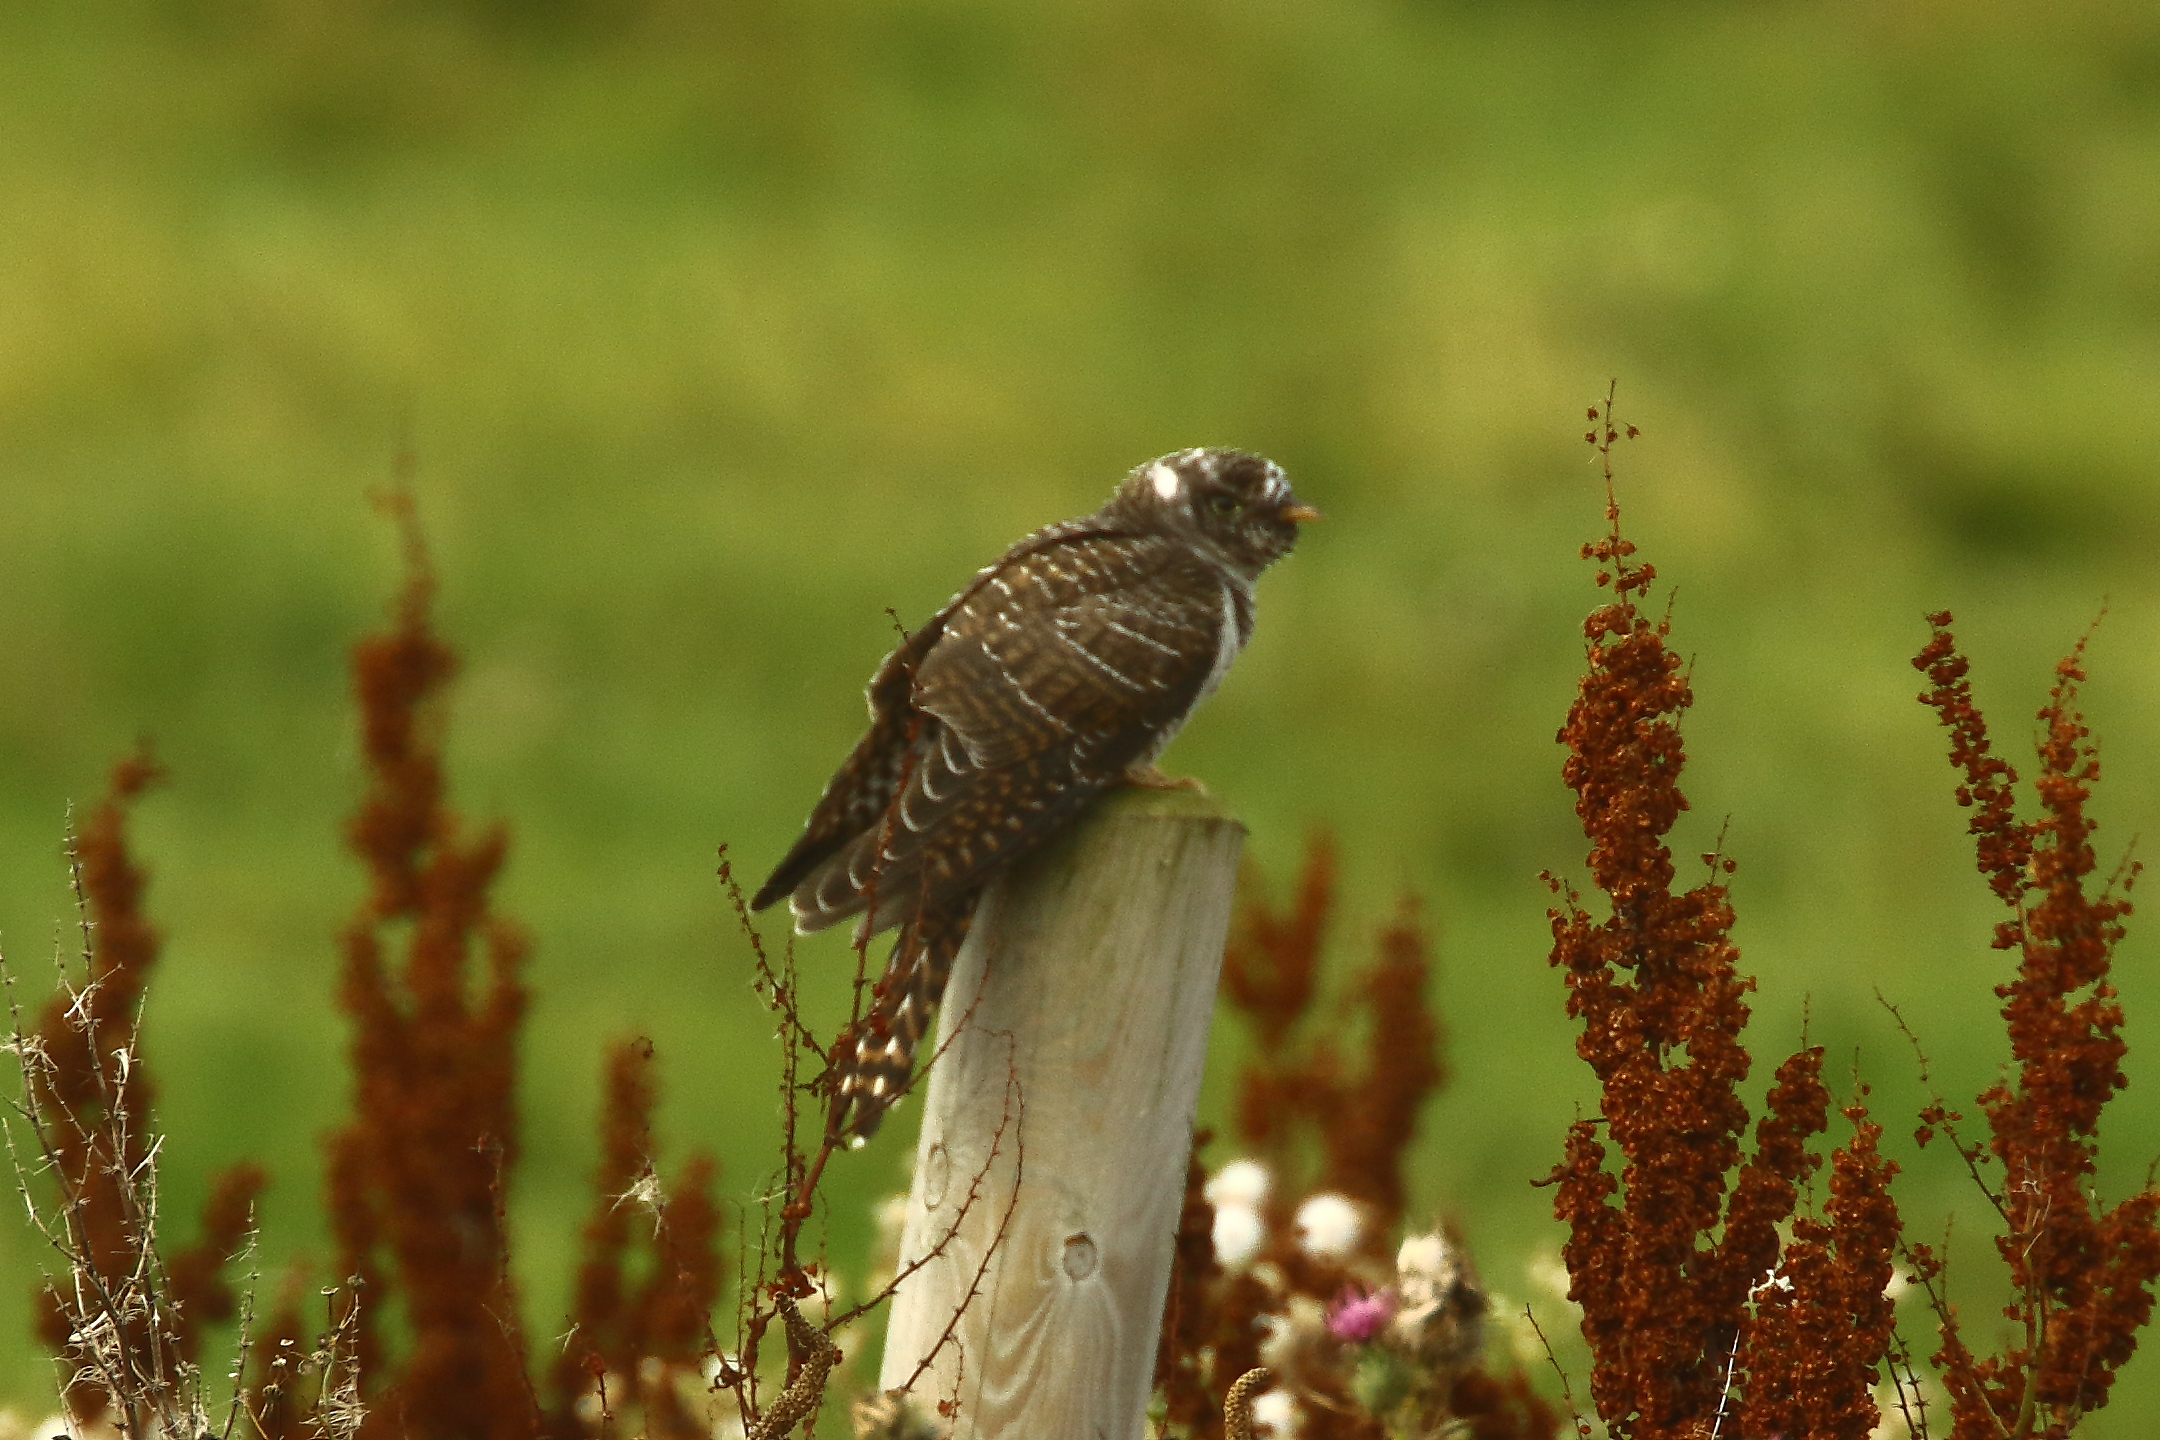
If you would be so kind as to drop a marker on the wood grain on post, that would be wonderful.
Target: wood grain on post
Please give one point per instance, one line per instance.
(1077, 1020)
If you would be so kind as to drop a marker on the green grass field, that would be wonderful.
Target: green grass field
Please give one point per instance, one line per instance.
(714, 337)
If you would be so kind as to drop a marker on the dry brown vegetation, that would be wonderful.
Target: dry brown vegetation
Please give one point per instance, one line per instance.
(1718, 1295)
(1713, 1303)
(126, 1319)
(1709, 1302)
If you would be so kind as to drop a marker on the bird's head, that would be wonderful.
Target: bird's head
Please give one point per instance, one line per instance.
(1236, 506)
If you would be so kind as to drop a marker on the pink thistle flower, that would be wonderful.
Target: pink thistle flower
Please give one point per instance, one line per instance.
(1359, 1314)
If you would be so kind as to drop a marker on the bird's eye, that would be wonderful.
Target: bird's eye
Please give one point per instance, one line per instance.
(1223, 504)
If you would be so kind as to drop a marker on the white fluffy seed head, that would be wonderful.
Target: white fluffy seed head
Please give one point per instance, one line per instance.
(1441, 1300)
(1277, 1413)
(1427, 1257)
(1241, 1182)
(1328, 1225)
(1238, 1233)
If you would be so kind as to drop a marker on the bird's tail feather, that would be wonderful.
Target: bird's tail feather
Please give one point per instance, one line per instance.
(877, 1069)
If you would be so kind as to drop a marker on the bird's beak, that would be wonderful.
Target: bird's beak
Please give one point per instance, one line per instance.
(1298, 513)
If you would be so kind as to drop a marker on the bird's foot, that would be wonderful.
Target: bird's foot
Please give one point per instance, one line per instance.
(1147, 777)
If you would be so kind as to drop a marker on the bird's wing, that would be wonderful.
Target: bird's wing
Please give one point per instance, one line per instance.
(1049, 678)
(1078, 645)
(862, 789)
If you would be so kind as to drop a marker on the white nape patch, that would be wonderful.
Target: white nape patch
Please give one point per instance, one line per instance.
(1166, 481)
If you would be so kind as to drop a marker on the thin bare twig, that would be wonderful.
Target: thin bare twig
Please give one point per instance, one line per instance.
(1015, 1114)
(1567, 1391)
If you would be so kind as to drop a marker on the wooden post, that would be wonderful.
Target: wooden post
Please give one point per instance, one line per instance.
(1081, 1005)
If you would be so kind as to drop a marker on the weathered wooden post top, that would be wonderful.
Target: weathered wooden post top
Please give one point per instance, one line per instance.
(1073, 1036)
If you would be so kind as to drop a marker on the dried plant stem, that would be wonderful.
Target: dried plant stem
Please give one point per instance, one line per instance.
(1237, 1403)
(1567, 1390)
(122, 1325)
(814, 1356)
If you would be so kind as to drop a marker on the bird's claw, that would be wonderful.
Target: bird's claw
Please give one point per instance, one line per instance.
(1147, 777)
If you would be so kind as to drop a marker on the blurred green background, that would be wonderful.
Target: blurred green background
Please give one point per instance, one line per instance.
(718, 328)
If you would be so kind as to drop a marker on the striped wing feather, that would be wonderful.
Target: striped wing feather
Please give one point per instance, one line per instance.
(859, 791)
(1034, 690)
(862, 788)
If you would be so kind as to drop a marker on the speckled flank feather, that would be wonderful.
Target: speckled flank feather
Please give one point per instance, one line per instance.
(1070, 661)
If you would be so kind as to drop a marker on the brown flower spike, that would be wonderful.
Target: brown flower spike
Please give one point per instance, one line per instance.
(1692, 1309)
(2081, 1276)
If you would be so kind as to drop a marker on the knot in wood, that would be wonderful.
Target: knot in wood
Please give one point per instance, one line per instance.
(937, 1175)
(1080, 1256)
